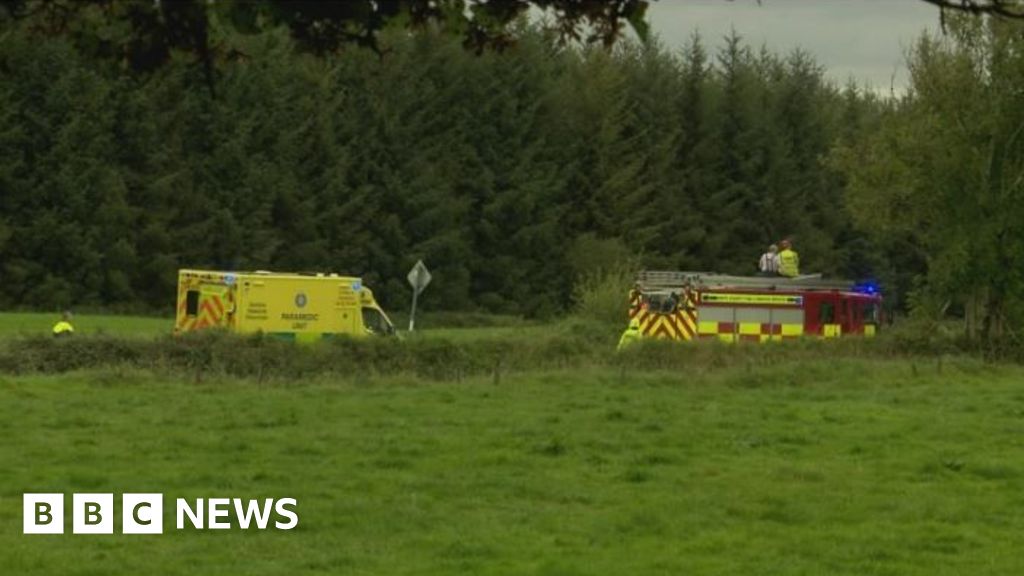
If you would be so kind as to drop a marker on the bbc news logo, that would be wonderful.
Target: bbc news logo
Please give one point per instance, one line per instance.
(144, 513)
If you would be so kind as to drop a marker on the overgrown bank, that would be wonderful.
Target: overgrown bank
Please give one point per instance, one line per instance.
(569, 345)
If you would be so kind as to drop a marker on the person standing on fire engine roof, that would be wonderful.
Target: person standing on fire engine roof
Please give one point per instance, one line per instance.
(769, 263)
(789, 260)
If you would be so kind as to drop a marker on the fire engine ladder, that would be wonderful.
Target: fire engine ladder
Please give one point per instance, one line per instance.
(666, 280)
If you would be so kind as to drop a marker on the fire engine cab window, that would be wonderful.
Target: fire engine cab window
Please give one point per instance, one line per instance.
(662, 303)
(871, 313)
(827, 313)
(192, 302)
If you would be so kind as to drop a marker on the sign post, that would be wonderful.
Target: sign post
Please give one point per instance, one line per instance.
(418, 277)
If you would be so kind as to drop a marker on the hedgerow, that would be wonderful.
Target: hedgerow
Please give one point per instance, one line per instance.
(571, 344)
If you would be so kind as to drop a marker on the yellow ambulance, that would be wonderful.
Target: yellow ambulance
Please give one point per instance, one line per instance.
(296, 306)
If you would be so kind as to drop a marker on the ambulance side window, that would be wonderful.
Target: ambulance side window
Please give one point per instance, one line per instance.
(192, 303)
(827, 313)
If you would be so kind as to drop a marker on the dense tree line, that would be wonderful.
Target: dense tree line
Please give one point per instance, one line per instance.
(943, 174)
(508, 172)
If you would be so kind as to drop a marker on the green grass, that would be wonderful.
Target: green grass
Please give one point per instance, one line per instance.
(34, 323)
(481, 333)
(447, 326)
(813, 467)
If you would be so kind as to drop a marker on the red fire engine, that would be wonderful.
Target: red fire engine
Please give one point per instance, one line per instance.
(691, 305)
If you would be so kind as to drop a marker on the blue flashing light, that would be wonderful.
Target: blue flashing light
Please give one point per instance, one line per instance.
(867, 287)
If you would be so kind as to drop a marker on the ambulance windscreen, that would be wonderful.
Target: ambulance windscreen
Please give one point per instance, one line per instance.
(375, 322)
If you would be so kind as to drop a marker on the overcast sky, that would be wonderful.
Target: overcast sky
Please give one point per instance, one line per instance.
(863, 39)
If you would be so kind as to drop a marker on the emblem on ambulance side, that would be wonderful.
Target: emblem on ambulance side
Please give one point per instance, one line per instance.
(300, 300)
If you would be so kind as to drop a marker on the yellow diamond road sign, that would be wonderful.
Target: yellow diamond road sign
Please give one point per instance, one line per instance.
(419, 277)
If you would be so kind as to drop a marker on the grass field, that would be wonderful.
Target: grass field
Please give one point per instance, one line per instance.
(14, 324)
(822, 467)
(33, 323)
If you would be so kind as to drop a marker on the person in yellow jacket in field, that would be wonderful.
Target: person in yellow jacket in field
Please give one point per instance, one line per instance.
(789, 260)
(63, 328)
(631, 335)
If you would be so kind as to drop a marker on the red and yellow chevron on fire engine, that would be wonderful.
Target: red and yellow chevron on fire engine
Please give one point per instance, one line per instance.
(699, 305)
